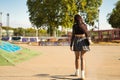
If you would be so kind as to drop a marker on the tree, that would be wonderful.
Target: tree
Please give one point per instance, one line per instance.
(18, 31)
(61, 12)
(89, 10)
(114, 16)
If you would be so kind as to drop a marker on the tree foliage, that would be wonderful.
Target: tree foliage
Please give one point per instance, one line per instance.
(54, 13)
(114, 16)
(19, 31)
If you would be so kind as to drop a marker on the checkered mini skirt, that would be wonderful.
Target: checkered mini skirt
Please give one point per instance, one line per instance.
(80, 44)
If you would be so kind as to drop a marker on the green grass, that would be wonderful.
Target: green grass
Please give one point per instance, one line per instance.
(8, 58)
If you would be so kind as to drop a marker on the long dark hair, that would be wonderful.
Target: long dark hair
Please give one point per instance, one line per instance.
(78, 19)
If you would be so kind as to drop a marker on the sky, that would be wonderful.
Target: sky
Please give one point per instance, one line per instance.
(19, 15)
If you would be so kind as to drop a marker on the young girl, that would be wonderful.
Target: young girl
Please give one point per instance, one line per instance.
(79, 43)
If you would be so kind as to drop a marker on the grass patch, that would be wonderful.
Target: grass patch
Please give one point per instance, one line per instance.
(12, 58)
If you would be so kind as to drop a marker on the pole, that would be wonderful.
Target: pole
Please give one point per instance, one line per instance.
(98, 20)
(98, 25)
(7, 24)
(0, 25)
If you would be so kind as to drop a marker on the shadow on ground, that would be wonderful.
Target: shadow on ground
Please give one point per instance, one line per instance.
(56, 77)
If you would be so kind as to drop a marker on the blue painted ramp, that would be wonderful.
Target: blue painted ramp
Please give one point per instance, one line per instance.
(9, 47)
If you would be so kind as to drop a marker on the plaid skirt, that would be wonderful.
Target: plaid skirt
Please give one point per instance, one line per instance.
(80, 44)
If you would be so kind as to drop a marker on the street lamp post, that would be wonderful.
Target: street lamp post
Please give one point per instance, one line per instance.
(98, 25)
(7, 24)
(98, 20)
(0, 25)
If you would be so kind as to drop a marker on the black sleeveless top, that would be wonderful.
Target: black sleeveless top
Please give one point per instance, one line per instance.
(76, 30)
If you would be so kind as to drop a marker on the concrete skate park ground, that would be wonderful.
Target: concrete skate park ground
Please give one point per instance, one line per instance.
(57, 63)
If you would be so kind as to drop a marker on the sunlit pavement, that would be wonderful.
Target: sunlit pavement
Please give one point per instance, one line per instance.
(57, 63)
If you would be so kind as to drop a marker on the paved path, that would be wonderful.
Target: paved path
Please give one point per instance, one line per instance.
(57, 63)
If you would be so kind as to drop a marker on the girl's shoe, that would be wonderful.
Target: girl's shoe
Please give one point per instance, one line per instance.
(82, 75)
(77, 73)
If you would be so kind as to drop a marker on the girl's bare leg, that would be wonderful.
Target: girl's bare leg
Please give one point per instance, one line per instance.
(82, 64)
(77, 62)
